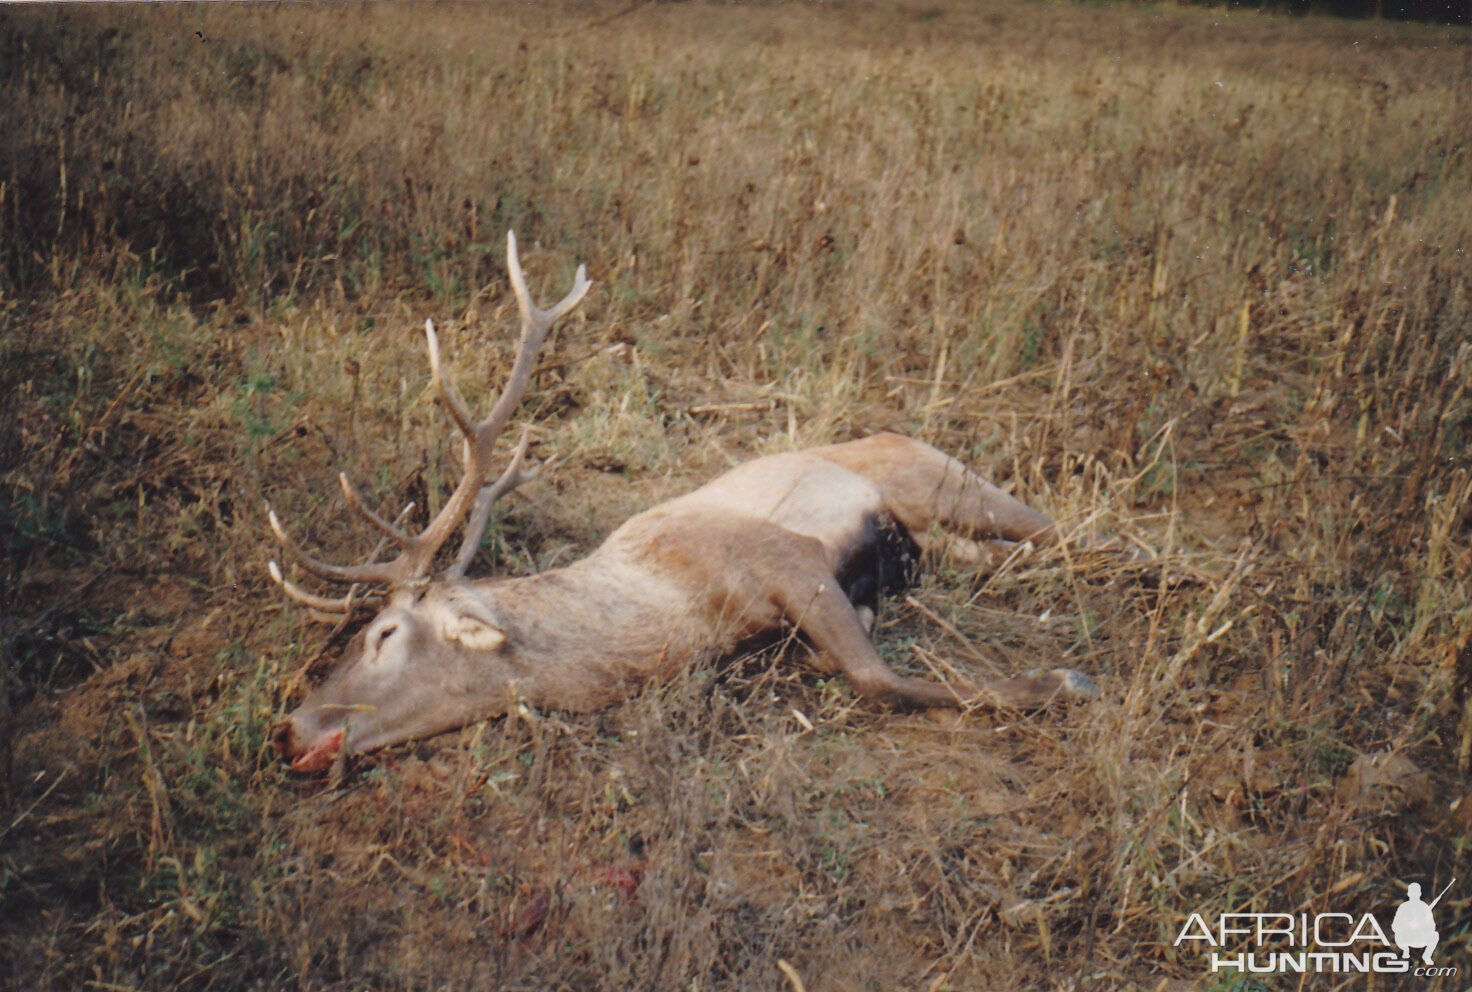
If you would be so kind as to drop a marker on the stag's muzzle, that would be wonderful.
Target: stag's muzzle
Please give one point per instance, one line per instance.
(308, 753)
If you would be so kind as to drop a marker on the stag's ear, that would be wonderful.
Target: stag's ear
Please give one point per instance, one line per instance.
(462, 617)
(474, 633)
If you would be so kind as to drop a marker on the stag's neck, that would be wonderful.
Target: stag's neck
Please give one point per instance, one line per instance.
(584, 636)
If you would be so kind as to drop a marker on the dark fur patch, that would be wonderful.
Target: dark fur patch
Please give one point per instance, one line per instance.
(884, 560)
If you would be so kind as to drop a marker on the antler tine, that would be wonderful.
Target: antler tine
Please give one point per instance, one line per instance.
(388, 571)
(326, 604)
(390, 531)
(480, 510)
(532, 318)
(448, 395)
(535, 323)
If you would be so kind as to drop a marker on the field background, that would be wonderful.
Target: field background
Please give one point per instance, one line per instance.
(1196, 278)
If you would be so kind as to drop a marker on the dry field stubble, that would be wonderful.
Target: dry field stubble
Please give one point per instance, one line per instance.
(1198, 279)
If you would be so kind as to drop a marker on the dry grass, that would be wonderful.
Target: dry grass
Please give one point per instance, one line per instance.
(1195, 278)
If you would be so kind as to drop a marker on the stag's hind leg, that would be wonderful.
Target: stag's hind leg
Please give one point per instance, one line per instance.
(809, 597)
(925, 488)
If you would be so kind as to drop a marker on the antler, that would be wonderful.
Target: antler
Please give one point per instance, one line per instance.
(472, 499)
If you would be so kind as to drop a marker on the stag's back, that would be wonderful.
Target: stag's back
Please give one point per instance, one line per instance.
(799, 492)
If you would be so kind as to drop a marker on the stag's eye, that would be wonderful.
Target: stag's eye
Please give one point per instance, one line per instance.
(386, 633)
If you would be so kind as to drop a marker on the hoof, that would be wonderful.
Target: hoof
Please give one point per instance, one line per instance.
(1071, 684)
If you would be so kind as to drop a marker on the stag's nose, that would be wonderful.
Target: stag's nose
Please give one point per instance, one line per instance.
(309, 754)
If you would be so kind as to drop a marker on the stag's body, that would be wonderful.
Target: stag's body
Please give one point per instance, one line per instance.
(800, 540)
(796, 539)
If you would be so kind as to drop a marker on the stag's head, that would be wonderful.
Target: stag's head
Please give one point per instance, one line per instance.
(421, 666)
(431, 660)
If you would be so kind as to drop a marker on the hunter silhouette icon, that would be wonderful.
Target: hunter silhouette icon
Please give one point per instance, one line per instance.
(1413, 925)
